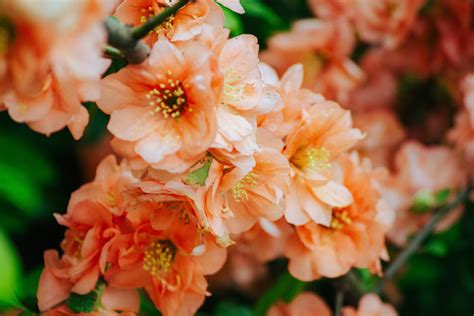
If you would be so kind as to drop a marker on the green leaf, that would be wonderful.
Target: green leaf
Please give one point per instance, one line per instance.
(442, 196)
(9, 273)
(115, 66)
(286, 288)
(147, 308)
(367, 278)
(199, 176)
(423, 202)
(440, 244)
(27, 158)
(233, 22)
(19, 189)
(86, 303)
(231, 308)
(258, 9)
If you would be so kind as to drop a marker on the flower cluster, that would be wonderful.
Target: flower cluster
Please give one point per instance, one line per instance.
(230, 158)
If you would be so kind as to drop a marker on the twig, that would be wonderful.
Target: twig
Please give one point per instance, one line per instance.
(339, 302)
(419, 238)
(142, 30)
(127, 40)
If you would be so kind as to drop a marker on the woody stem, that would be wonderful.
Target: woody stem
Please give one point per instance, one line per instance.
(339, 302)
(416, 242)
(127, 40)
(142, 30)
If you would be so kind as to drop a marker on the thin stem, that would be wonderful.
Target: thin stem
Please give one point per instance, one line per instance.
(416, 242)
(353, 279)
(339, 302)
(127, 40)
(141, 31)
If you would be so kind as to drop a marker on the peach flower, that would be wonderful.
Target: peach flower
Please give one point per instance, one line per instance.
(53, 63)
(329, 9)
(462, 136)
(370, 305)
(386, 22)
(287, 114)
(467, 87)
(245, 94)
(355, 236)
(91, 228)
(165, 251)
(162, 111)
(305, 304)
(250, 194)
(323, 48)
(417, 168)
(245, 266)
(417, 173)
(186, 24)
(383, 135)
(324, 133)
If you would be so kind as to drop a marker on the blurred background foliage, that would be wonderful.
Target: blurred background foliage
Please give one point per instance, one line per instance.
(37, 175)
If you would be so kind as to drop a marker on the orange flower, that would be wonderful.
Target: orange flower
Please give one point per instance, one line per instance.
(184, 25)
(417, 168)
(53, 63)
(287, 114)
(167, 252)
(245, 266)
(462, 136)
(305, 304)
(355, 236)
(162, 111)
(91, 229)
(387, 22)
(383, 135)
(111, 188)
(245, 94)
(370, 305)
(258, 192)
(324, 133)
(417, 173)
(323, 48)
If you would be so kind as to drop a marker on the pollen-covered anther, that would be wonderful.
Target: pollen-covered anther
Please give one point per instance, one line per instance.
(169, 99)
(340, 218)
(312, 158)
(239, 190)
(159, 257)
(150, 12)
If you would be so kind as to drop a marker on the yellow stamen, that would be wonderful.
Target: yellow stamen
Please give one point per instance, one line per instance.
(150, 12)
(159, 257)
(240, 188)
(340, 218)
(312, 158)
(233, 90)
(168, 98)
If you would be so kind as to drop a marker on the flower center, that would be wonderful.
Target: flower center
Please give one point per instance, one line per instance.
(232, 90)
(240, 188)
(312, 158)
(340, 218)
(158, 257)
(149, 12)
(168, 98)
